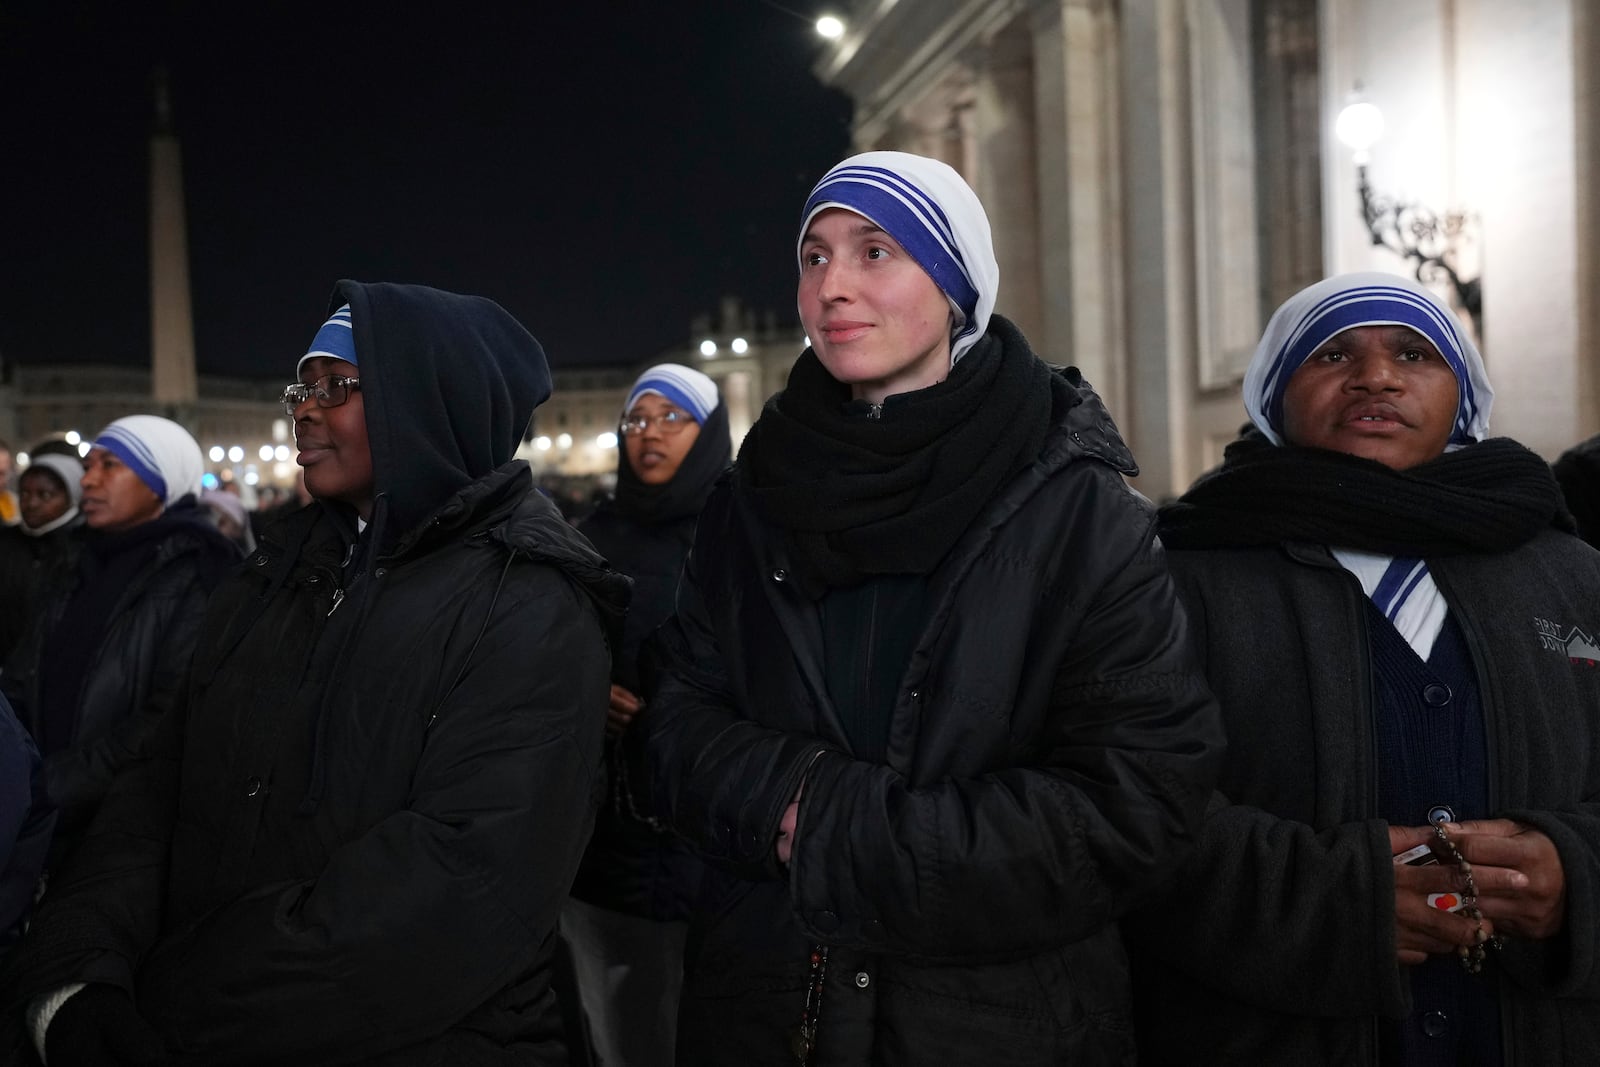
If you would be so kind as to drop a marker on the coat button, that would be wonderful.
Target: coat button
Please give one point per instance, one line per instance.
(259, 559)
(916, 694)
(380, 572)
(313, 579)
(1441, 813)
(1436, 695)
(779, 574)
(1436, 1024)
(863, 979)
(252, 786)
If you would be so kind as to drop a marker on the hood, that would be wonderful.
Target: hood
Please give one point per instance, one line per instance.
(537, 530)
(1084, 426)
(449, 384)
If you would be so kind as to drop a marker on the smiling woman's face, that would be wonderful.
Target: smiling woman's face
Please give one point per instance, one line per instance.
(1380, 392)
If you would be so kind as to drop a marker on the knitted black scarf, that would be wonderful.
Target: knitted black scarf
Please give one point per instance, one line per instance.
(1487, 497)
(890, 494)
(685, 494)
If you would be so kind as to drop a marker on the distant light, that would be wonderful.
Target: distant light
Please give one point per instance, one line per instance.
(564, 441)
(265, 452)
(83, 448)
(282, 471)
(807, 340)
(708, 348)
(280, 429)
(236, 453)
(281, 454)
(217, 453)
(1359, 126)
(208, 480)
(251, 478)
(73, 437)
(542, 444)
(606, 440)
(23, 459)
(740, 346)
(830, 27)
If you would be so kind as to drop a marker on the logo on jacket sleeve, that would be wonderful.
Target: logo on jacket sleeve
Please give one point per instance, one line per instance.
(1575, 644)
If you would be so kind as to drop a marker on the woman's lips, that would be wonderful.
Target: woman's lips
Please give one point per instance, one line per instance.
(844, 331)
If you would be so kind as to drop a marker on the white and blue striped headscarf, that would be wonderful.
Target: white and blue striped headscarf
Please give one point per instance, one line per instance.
(335, 339)
(934, 215)
(1400, 587)
(159, 451)
(686, 387)
(1319, 312)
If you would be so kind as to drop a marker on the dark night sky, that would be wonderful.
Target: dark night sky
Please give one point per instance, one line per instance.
(606, 170)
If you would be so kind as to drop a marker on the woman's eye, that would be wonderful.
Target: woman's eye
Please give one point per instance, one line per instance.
(1413, 355)
(1333, 355)
(877, 253)
(813, 259)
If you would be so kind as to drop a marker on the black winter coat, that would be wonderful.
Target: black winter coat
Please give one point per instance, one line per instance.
(634, 863)
(1277, 945)
(28, 565)
(137, 672)
(1050, 750)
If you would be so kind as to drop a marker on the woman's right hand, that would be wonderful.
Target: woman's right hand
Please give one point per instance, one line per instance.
(1422, 930)
(623, 707)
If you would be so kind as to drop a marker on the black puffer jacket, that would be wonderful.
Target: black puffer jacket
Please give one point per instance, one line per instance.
(1294, 864)
(135, 675)
(1050, 749)
(353, 844)
(634, 863)
(28, 564)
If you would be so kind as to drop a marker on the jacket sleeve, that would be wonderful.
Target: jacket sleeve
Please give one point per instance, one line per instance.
(722, 780)
(1568, 964)
(1263, 895)
(424, 917)
(154, 646)
(1028, 856)
(103, 910)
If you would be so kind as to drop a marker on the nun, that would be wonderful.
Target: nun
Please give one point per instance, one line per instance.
(625, 924)
(108, 652)
(1402, 863)
(926, 709)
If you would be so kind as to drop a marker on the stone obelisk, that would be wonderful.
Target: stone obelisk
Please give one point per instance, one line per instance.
(173, 384)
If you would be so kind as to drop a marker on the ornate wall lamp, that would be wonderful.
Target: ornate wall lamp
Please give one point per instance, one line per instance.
(1412, 231)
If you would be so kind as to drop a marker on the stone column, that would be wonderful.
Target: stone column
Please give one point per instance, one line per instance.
(1077, 108)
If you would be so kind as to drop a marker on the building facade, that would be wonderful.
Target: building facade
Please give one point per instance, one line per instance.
(1160, 174)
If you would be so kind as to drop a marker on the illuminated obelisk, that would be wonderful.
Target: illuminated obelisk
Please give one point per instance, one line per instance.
(173, 384)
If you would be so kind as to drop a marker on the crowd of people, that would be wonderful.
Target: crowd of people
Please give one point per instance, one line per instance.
(910, 735)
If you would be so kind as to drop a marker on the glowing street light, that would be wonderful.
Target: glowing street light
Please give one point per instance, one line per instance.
(542, 443)
(1359, 126)
(708, 348)
(265, 452)
(564, 441)
(236, 453)
(606, 440)
(217, 453)
(830, 27)
(740, 346)
(72, 437)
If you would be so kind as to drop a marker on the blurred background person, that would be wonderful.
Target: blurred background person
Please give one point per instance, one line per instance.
(9, 513)
(42, 544)
(228, 515)
(110, 646)
(1399, 626)
(627, 922)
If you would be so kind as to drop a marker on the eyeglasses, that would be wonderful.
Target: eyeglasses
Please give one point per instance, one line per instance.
(668, 422)
(329, 391)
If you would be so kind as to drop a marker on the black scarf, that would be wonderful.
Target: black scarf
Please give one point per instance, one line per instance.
(1487, 497)
(685, 494)
(890, 493)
